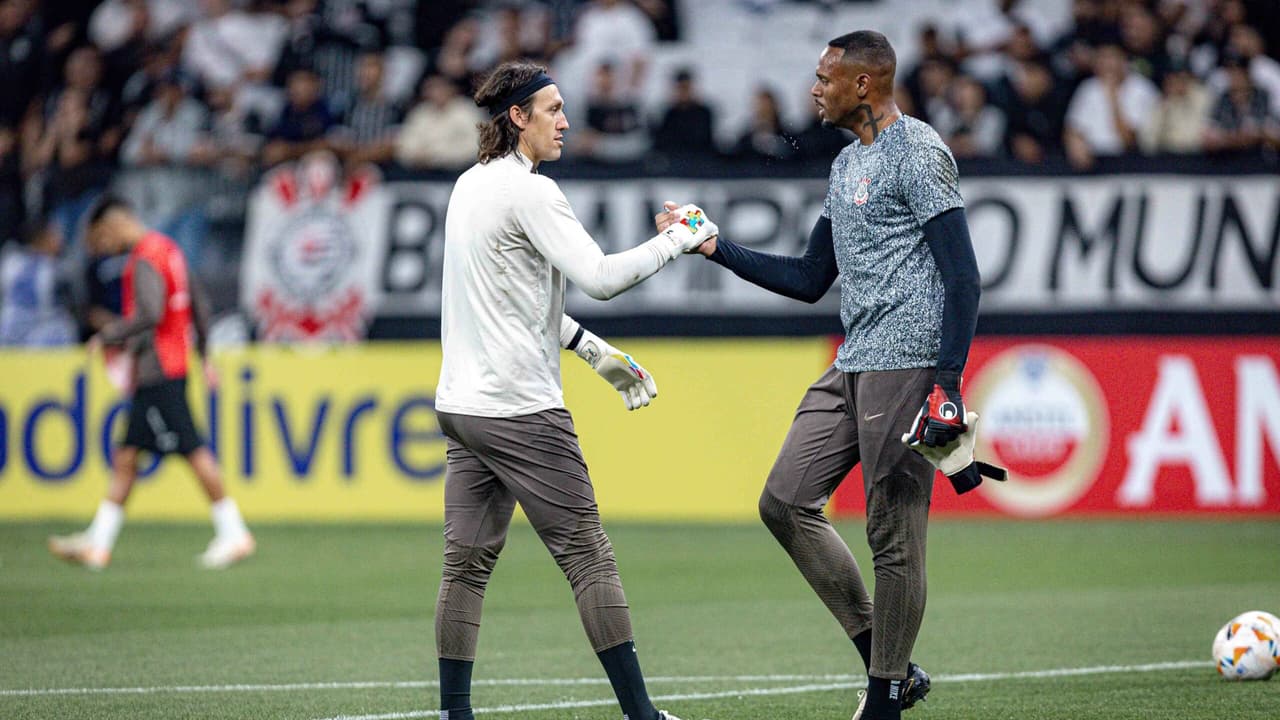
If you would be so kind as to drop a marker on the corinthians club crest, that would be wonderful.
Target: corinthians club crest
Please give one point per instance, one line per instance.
(862, 193)
(309, 274)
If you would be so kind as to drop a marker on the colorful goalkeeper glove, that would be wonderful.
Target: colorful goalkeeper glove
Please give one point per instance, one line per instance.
(941, 418)
(633, 383)
(955, 460)
(691, 229)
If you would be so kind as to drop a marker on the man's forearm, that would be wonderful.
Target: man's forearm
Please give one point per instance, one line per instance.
(806, 278)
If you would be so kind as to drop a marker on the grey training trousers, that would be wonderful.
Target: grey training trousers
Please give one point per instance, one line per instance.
(535, 460)
(845, 419)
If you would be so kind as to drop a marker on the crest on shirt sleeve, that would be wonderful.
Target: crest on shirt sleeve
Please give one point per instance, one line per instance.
(310, 271)
(862, 193)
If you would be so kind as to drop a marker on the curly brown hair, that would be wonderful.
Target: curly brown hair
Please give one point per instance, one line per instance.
(499, 136)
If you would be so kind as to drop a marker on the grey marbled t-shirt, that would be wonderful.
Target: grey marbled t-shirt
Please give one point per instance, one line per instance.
(878, 200)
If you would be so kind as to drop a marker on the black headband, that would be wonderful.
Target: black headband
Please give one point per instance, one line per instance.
(517, 96)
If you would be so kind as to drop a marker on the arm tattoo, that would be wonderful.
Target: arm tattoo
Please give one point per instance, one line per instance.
(873, 121)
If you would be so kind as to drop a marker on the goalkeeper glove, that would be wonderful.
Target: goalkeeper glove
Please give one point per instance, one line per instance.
(633, 383)
(691, 229)
(941, 418)
(955, 460)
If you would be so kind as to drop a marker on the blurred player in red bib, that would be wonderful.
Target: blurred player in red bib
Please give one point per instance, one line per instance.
(161, 307)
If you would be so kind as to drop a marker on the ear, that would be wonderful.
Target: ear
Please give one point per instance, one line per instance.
(863, 85)
(517, 117)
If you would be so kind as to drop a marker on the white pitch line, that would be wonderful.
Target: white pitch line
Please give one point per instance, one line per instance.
(1072, 672)
(400, 684)
(799, 689)
(569, 682)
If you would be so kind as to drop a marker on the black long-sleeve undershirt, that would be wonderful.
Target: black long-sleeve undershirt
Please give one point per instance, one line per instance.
(805, 278)
(809, 276)
(948, 236)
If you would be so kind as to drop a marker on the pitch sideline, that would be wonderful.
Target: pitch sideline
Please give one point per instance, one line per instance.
(813, 683)
(800, 689)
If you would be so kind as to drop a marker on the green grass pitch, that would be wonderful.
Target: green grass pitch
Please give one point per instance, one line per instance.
(331, 621)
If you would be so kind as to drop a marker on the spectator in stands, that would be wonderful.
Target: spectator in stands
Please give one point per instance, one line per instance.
(71, 143)
(58, 26)
(441, 132)
(765, 137)
(1022, 47)
(230, 47)
(1247, 44)
(936, 75)
(1034, 112)
(171, 134)
(1179, 122)
(304, 33)
(171, 130)
(328, 37)
(20, 71)
(969, 125)
(234, 133)
(1209, 45)
(517, 32)
(1144, 40)
(986, 30)
(1241, 116)
(931, 49)
(615, 132)
(155, 65)
(511, 39)
(304, 123)
(1181, 18)
(31, 314)
(1108, 109)
(453, 60)
(369, 127)
(116, 23)
(619, 32)
(1072, 52)
(123, 42)
(688, 124)
(81, 110)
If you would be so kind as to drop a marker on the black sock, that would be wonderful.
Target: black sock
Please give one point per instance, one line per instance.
(455, 689)
(622, 665)
(862, 641)
(884, 699)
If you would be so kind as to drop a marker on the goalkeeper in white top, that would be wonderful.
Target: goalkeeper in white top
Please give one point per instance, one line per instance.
(511, 242)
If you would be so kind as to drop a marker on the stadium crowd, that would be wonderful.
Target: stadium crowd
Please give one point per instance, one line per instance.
(230, 87)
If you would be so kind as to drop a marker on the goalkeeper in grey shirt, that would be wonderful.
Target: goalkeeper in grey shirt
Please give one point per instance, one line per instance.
(893, 228)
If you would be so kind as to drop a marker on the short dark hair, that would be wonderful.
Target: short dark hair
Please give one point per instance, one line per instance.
(106, 204)
(869, 49)
(498, 135)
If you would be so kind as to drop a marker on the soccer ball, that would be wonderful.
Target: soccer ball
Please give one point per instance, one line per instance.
(1248, 647)
(1263, 617)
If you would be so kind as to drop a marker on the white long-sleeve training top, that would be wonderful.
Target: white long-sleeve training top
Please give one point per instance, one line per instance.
(511, 240)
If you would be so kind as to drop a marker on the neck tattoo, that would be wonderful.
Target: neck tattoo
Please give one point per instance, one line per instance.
(872, 121)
